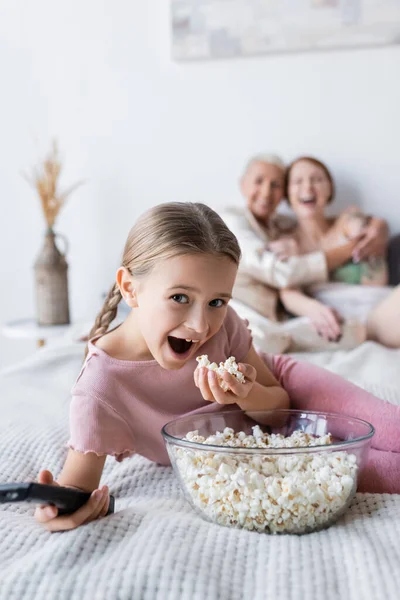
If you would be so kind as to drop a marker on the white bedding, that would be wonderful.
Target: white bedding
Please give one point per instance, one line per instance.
(155, 547)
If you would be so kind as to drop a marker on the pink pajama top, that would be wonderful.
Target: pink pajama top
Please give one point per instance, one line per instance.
(119, 407)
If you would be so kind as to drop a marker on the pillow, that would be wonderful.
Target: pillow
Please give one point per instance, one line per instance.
(394, 260)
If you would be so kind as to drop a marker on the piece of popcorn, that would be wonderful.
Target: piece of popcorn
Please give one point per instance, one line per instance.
(281, 493)
(229, 366)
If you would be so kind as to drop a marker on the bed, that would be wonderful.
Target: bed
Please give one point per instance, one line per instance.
(154, 546)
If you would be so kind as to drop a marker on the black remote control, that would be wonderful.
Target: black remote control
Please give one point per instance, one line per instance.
(66, 499)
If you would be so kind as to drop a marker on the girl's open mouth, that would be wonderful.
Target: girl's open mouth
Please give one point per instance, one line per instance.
(179, 346)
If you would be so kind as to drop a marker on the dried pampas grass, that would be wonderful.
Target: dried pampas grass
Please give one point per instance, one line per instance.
(45, 179)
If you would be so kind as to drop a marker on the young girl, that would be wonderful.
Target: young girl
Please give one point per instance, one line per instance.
(177, 274)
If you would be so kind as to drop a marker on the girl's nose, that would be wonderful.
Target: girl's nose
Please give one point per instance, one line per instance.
(197, 322)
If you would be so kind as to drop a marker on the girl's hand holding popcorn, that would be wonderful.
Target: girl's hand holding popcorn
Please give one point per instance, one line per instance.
(227, 384)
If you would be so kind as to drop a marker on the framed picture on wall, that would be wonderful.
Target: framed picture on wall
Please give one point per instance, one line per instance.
(231, 28)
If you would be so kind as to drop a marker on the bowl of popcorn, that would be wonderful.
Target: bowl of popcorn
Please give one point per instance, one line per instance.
(277, 471)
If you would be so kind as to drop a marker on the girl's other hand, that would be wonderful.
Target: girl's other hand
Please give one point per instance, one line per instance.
(284, 248)
(326, 321)
(208, 383)
(95, 507)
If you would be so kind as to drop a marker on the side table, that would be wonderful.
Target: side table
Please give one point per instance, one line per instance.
(29, 329)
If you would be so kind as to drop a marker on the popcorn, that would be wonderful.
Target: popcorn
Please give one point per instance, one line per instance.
(229, 366)
(291, 493)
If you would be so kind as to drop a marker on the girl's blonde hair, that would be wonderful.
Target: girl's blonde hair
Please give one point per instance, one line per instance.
(167, 230)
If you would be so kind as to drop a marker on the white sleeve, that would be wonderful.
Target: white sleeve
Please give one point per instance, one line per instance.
(264, 265)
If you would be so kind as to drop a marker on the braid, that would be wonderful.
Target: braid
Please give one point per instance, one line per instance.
(107, 313)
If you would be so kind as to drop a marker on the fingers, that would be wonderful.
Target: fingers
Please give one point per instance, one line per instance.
(47, 515)
(104, 510)
(374, 241)
(43, 514)
(332, 330)
(102, 507)
(333, 324)
(196, 377)
(203, 384)
(218, 393)
(209, 384)
(327, 325)
(370, 245)
(248, 371)
(365, 251)
(280, 250)
(238, 388)
(323, 331)
(326, 322)
(338, 316)
(88, 512)
(46, 477)
(362, 249)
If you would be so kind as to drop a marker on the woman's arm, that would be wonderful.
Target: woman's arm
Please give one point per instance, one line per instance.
(325, 320)
(297, 271)
(336, 257)
(296, 302)
(264, 266)
(371, 232)
(375, 240)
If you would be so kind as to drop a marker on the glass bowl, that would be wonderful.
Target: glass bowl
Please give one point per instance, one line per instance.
(297, 489)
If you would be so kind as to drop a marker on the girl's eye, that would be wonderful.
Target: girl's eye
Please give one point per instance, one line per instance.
(180, 298)
(259, 181)
(276, 185)
(217, 303)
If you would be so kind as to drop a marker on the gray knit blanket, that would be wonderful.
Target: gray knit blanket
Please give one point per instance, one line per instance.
(155, 546)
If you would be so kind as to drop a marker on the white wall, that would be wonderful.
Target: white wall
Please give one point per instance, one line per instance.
(142, 129)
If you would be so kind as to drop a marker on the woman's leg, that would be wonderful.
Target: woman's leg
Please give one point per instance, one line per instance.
(313, 388)
(383, 324)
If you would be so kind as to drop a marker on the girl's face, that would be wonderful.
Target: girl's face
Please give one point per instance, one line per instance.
(309, 189)
(180, 305)
(262, 186)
